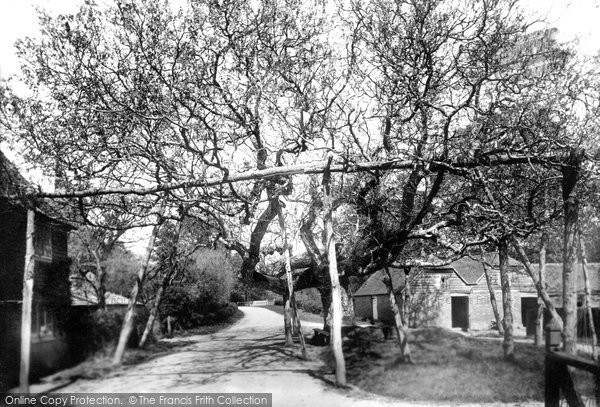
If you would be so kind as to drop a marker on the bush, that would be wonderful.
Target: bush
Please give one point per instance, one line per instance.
(309, 300)
(226, 312)
(92, 331)
(202, 298)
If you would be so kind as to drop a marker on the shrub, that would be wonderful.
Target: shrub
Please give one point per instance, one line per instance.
(202, 298)
(309, 300)
(90, 332)
(226, 312)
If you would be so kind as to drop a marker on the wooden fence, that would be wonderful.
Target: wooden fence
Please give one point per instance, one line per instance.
(558, 379)
(261, 303)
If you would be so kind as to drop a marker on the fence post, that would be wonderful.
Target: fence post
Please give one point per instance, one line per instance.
(552, 371)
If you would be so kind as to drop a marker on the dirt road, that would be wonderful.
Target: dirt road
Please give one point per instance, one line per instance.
(247, 357)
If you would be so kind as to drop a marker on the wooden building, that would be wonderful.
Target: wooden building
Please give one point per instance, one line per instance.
(51, 300)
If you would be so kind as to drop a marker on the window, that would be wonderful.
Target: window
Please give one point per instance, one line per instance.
(42, 324)
(43, 242)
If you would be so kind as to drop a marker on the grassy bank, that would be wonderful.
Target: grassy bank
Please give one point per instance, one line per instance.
(450, 367)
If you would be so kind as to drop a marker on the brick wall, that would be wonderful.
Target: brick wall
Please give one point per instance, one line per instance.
(431, 300)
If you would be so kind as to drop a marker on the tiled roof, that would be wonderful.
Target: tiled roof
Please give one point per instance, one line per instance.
(12, 183)
(375, 285)
(554, 276)
(11, 180)
(470, 269)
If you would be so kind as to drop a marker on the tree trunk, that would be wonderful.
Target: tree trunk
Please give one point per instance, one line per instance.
(165, 283)
(539, 320)
(326, 304)
(290, 283)
(347, 305)
(588, 295)
(351, 312)
(152, 316)
(298, 328)
(336, 301)
(287, 320)
(399, 325)
(493, 301)
(28, 277)
(570, 173)
(129, 318)
(536, 281)
(101, 283)
(169, 327)
(405, 310)
(508, 345)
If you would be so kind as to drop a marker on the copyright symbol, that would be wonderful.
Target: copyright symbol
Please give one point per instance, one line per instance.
(132, 399)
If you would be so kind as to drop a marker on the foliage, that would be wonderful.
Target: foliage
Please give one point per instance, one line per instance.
(244, 291)
(90, 331)
(309, 300)
(121, 270)
(100, 261)
(201, 297)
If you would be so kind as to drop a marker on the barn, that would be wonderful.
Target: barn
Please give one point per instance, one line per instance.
(452, 296)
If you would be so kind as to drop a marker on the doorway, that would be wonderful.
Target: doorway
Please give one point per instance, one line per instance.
(460, 312)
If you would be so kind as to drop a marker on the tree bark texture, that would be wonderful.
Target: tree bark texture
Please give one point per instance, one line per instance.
(287, 320)
(129, 318)
(297, 326)
(508, 345)
(490, 284)
(169, 276)
(542, 292)
(570, 174)
(28, 277)
(336, 300)
(539, 320)
(588, 295)
(399, 323)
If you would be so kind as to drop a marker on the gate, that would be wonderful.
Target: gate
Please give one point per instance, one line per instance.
(559, 379)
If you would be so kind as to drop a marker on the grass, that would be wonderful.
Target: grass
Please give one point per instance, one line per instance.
(449, 367)
(100, 364)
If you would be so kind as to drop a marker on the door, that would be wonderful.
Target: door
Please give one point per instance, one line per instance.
(374, 310)
(460, 312)
(529, 307)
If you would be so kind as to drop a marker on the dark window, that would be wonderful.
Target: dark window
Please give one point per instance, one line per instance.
(43, 242)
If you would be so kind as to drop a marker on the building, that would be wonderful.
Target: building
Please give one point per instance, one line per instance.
(451, 296)
(51, 299)
(372, 300)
